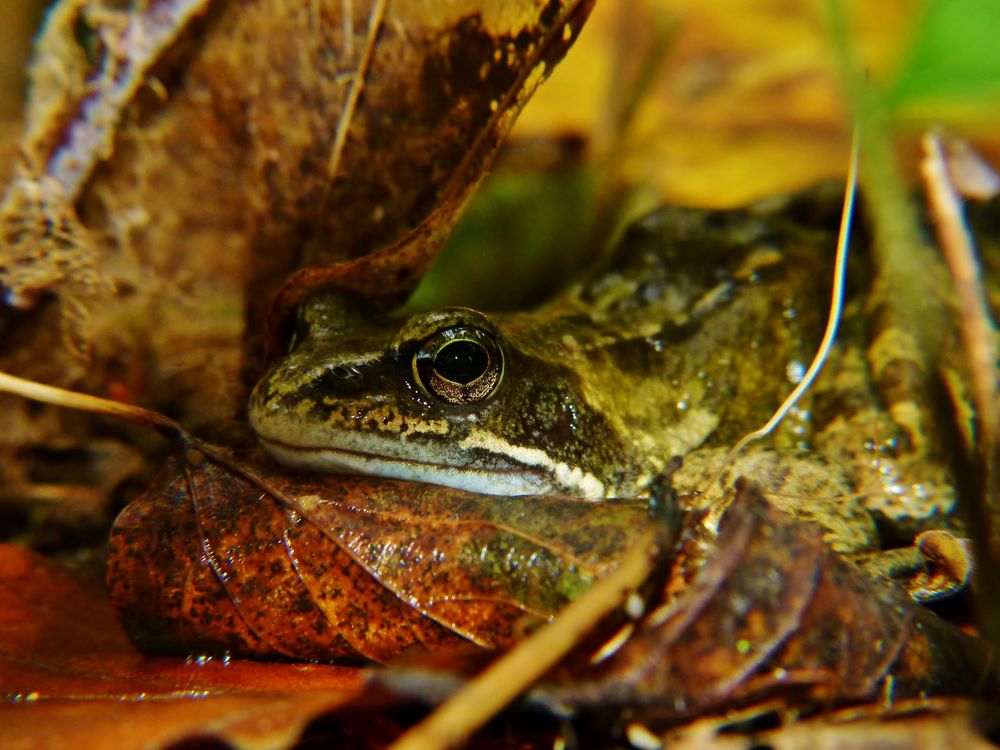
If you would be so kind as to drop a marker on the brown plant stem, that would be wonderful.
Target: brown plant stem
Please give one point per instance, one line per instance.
(977, 477)
(977, 329)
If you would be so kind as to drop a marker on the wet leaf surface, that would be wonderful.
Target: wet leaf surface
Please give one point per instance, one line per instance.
(70, 677)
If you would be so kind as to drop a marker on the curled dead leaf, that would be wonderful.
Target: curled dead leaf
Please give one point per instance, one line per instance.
(182, 158)
(947, 565)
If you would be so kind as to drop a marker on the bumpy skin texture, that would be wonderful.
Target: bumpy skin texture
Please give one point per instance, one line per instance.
(686, 341)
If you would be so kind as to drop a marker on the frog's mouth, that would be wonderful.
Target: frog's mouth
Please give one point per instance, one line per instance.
(494, 480)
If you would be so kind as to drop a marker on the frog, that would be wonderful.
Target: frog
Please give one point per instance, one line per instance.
(689, 335)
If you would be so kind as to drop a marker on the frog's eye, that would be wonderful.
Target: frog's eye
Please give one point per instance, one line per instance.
(460, 365)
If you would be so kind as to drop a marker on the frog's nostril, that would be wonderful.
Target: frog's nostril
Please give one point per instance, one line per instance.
(345, 372)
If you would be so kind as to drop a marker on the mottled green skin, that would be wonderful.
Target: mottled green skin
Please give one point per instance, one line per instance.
(678, 347)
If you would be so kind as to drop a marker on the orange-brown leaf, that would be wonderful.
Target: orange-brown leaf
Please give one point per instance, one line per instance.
(323, 568)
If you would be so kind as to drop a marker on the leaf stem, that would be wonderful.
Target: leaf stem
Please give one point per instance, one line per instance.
(981, 460)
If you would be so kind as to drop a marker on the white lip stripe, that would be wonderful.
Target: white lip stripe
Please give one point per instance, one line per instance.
(463, 478)
(568, 478)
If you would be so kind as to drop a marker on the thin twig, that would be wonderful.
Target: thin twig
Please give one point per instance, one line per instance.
(353, 96)
(975, 465)
(518, 668)
(976, 327)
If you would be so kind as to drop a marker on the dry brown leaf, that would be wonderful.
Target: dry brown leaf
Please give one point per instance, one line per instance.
(774, 612)
(181, 159)
(769, 616)
(942, 726)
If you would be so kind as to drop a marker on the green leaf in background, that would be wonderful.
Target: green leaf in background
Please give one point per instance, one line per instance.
(519, 241)
(955, 56)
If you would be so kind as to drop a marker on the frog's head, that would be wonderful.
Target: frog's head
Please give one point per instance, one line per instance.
(443, 397)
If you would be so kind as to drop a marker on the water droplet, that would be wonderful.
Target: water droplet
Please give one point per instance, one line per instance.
(795, 371)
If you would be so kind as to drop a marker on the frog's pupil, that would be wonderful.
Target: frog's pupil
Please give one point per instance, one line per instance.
(461, 361)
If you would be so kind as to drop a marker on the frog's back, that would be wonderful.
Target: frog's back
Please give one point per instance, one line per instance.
(691, 334)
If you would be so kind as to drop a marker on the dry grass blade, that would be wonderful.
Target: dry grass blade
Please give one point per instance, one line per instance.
(833, 319)
(516, 670)
(72, 400)
(978, 463)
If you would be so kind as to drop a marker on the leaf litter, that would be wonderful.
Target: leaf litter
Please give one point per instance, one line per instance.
(202, 481)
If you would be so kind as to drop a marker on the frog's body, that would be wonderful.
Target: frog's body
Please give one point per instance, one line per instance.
(687, 342)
